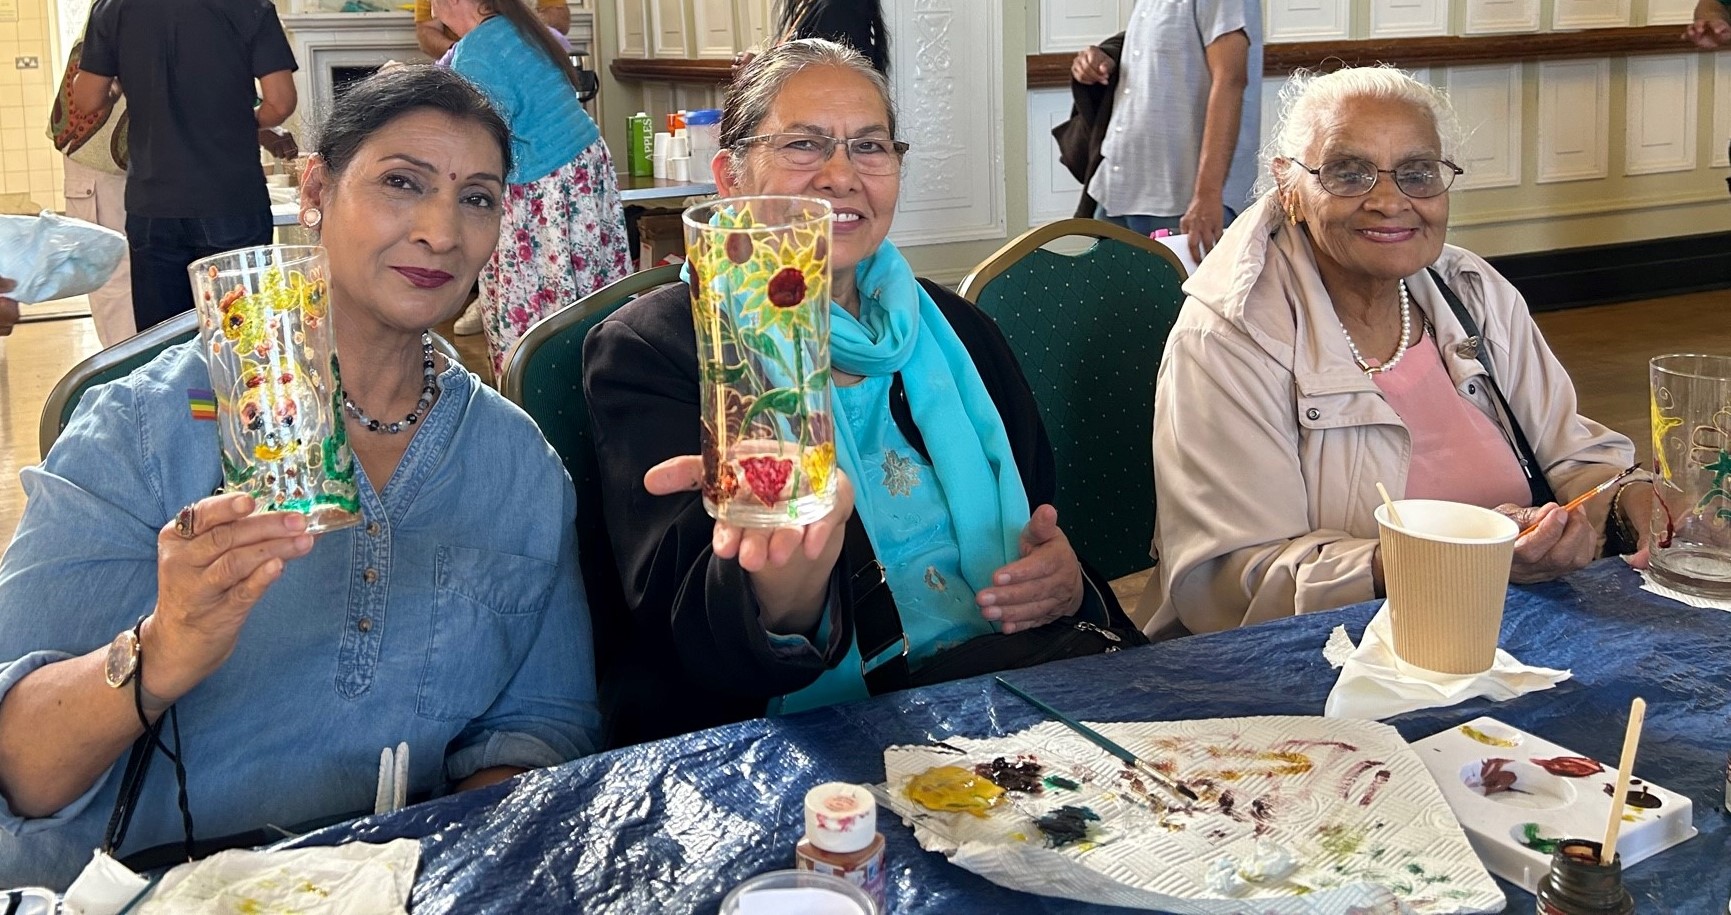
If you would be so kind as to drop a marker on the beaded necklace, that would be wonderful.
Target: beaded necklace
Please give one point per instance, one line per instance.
(429, 387)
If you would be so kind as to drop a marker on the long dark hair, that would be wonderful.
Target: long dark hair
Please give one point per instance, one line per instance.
(857, 24)
(367, 105)
(533, 30)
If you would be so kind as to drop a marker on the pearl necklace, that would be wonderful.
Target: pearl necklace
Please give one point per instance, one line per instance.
(1399, 351)
(429, 387)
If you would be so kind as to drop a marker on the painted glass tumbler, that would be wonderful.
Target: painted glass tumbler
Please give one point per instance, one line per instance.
(265, 325)
(1691, 521)
(760, 297)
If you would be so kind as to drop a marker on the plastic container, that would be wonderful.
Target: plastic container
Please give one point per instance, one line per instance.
(703, 126)
(1579, 885)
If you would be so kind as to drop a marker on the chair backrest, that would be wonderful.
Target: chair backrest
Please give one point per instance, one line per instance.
(1089, 329)
(544, 375)
(114, 362)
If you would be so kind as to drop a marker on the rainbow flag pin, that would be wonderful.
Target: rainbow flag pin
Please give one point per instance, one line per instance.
(203, 404)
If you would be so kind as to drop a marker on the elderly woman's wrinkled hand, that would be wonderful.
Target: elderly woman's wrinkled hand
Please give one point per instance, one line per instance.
(1044, 585)
(1562, 542)
(208, 582)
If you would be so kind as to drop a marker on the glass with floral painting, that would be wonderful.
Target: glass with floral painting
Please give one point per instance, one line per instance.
(264, 323)
(1691, 523)
(759, 273)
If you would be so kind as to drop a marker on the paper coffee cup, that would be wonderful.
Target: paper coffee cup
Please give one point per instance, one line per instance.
(1446, 567)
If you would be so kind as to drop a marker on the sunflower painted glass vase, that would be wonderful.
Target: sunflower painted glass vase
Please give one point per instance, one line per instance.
(760, 297)
(264, 323)
(1691, 524)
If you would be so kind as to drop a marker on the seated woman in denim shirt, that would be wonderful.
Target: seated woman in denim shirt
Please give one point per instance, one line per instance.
(440, 620)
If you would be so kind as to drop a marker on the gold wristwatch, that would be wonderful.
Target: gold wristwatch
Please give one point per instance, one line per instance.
(121, 665)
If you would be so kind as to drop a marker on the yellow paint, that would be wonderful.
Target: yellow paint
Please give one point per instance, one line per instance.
(1487, 739)
(1267, 763)
(1661, 425)
(952, 788)
(267, 452)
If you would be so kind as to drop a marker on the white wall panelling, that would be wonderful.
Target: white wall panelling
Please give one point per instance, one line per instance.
(1488, 101)
(1271, 86)
(692, 96)
(633, 27)
(949, 81)
(667, 28)
(1661, 113)
(658, 99)
(1590, 14)
(712, 27)
(1052, 190)
(1307, 20)
(755, 19)
(1670, 12)
(1721, 110)
(1574, 119)
(1403, 18)
(1487, 17)
(1072, 25)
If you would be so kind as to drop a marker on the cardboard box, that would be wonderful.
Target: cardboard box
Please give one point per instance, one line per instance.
(661, 239)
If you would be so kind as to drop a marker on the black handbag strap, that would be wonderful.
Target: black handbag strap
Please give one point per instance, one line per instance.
(1537, 485)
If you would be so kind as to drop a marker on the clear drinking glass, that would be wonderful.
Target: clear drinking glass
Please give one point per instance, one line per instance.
(1691, 522)
(264, 322)
(795, 892)
(760, 297)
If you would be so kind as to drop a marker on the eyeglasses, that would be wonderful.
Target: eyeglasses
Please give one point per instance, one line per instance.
(1416, 178)
(807, 152)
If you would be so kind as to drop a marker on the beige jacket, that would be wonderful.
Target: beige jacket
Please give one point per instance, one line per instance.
(1269, 441)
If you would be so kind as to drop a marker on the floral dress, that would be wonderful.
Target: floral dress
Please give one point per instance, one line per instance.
(561, 237)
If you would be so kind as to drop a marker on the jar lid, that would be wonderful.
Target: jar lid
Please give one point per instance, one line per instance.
(840, 817)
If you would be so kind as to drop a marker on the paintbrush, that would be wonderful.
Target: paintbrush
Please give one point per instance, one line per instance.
(1105, 743)
(1581, 499)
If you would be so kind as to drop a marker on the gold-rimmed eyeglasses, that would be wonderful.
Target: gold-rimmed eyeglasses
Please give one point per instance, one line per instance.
(1416, 178)
(809, 151)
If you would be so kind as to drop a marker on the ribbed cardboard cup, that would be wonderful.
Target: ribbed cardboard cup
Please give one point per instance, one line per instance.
(1447, 571)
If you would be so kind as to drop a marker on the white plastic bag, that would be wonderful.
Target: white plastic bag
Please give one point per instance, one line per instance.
(54, 257)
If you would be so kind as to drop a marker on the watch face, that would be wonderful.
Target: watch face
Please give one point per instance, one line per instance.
(122, 659)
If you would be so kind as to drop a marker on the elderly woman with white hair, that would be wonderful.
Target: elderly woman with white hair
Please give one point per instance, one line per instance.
(1332, 341)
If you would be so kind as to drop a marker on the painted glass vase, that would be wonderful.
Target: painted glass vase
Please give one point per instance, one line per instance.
(1691, 522)
(760, 296)
(264, 323)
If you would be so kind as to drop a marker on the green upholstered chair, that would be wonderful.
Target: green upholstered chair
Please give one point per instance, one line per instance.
(112, 363)
(119, 360)
(1089, 329)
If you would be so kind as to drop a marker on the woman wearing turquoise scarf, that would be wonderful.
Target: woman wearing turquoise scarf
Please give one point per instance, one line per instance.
(942, 532)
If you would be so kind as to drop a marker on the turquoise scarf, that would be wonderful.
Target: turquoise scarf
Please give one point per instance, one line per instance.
(900, 329)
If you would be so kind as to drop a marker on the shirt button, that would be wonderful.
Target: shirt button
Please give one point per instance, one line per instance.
(370, 575)
(365, 624)
(372, 528)
(1313, 414)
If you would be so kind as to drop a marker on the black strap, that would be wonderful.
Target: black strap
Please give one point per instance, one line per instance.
(876, 621)
(138, 765)
(1537, 485)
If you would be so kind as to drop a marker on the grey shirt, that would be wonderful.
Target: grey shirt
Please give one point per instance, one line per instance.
(1154, 143)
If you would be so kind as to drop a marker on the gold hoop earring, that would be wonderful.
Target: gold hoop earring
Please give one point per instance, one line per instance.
(311, 217)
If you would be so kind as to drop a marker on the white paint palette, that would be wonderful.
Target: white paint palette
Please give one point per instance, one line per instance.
(1516, 795)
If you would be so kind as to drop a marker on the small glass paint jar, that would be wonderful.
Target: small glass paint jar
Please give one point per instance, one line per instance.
(841, 838)
(1579, 885)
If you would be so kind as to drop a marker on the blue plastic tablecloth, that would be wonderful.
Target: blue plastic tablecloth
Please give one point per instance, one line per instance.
(671, 826)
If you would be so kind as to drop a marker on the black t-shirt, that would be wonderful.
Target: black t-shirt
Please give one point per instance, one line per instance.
(187, 68)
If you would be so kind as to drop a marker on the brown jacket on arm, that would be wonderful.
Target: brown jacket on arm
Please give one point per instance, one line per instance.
(1080, 137)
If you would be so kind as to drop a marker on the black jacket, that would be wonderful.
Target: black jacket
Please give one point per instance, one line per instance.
(693, 653)
(1081, 137)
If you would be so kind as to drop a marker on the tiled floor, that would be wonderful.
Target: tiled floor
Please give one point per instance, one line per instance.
(1605, 348)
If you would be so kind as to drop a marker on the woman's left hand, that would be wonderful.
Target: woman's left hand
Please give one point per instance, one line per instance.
(1561, 542)
(1042, 586)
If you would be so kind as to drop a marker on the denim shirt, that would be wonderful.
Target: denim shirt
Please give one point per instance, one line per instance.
(452, 617)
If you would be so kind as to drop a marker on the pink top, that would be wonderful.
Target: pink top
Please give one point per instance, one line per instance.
(1458, 453)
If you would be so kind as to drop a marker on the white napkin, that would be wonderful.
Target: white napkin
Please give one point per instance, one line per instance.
(353, 879)
(1705, 603)
(1374, 683)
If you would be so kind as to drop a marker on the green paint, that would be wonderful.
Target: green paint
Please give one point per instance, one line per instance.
(1059, 781)
(1530, 837)
(1341, 840)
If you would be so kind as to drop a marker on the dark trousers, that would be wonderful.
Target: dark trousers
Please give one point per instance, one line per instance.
(162, 249)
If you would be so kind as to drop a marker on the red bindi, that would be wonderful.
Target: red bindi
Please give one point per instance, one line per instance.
(453, 176)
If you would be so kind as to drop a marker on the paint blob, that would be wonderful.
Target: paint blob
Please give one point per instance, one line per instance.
(1021, 774)
(1067, 825)
(1570, 766)
(948, 789)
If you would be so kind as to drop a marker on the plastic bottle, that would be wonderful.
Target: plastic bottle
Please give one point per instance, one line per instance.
(640, 138)
(704, 128)
(1579, 885)
(841, 837)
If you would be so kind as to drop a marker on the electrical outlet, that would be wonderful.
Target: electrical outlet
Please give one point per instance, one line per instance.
(26, 63)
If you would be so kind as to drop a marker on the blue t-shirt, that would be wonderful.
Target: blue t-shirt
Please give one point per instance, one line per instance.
(548, 125)
(453, 617)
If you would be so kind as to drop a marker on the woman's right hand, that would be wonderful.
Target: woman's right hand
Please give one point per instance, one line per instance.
(1711, 28)
(790, 566)
(1562, 542)
(207, 584)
